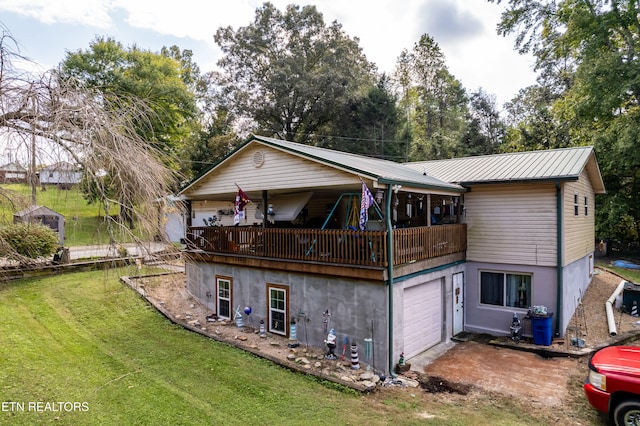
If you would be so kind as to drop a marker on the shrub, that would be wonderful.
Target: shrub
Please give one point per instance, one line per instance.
(28, 239)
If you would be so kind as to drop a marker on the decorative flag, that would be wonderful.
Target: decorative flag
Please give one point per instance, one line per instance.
(366, 201)
(241, 201)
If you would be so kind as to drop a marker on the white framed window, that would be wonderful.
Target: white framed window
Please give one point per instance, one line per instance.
(278, 299)
(505, 289)
(586, 205)
(591, 266)
(223, 296)
(576, 206)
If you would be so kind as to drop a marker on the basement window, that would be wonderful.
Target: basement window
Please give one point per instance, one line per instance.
(278, 304)
(505, 289)
(223, 290)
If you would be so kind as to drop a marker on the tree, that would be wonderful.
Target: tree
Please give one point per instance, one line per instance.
(433, 100)
(73, 121)
(213, 144)
(368, 125)
(596, 44)
(160, 81)
(486, 129)
(534, 124)
(141, 79)
(288, 72)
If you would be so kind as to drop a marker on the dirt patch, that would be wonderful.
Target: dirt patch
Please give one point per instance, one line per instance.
(435, 384)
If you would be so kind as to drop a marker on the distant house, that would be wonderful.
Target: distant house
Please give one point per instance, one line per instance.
(13, 173)
(450, 246)
(63, 174)
(42, 215)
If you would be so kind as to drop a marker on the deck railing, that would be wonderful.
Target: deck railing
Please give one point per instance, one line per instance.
(366, 248)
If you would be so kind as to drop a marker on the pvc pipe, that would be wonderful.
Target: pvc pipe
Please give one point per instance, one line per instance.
(608, 307)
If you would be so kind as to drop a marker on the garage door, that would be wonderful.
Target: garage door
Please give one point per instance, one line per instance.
(422, 317)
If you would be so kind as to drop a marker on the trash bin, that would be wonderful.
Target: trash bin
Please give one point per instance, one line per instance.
(542, 328)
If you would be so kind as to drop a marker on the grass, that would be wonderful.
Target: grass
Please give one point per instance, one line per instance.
(85, 338)
(632, 275)
(84, 222)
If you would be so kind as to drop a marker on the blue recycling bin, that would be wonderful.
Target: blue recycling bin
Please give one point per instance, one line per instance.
(542, 328)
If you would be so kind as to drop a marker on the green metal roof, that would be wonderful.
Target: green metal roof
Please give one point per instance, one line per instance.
(384, 171)
(451, 174)
(548, 165)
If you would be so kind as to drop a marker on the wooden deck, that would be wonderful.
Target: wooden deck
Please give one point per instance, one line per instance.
(332, 246)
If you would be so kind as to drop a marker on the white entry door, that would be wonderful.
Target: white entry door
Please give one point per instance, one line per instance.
(458, 303)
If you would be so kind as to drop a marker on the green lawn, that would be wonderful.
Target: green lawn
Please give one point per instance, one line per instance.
(85, 338)
(84, 222)
(632, 275)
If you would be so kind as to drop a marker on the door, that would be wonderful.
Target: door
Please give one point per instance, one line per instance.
(422, 317)
(458, 303)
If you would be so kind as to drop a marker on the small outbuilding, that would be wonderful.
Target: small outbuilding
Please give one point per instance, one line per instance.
(43, 215)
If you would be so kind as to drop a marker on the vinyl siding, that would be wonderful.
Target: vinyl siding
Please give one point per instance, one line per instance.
(579, 231)
(511, 224)
(298, 173)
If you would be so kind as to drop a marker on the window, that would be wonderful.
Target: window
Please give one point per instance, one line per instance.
(576, 207)
(504, 289)
(223, 290)
(278, 301)
(586, 205)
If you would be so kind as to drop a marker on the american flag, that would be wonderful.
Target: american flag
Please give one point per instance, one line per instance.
(366, 201)
(241, 201)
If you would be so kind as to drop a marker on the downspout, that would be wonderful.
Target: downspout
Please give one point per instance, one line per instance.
(559, 273)
(387, 215)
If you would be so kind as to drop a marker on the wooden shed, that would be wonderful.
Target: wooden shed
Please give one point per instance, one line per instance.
(43, 215)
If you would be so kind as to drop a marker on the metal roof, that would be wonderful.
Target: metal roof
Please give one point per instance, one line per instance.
(383, 171)
(548, 165)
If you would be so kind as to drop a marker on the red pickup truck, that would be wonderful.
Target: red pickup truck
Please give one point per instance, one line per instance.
(613, 384)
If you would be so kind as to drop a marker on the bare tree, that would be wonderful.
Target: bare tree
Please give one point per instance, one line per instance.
(70, 121)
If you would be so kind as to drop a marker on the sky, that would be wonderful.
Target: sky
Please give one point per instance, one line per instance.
(465, 30)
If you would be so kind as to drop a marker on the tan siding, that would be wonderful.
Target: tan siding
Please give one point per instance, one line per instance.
(514, 224)
(579, 231)
(280, 171)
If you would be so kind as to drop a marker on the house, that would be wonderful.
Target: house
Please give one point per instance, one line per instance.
(441, 252)
(42, 215)
(62, 174)
(530, 231)
(13, 172)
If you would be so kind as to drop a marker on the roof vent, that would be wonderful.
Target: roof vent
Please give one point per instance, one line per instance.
(258, 159)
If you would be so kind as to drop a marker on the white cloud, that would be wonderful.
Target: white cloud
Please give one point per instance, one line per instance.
(87, 12)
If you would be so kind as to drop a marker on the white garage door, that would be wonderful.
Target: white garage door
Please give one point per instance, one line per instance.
(422, 317)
